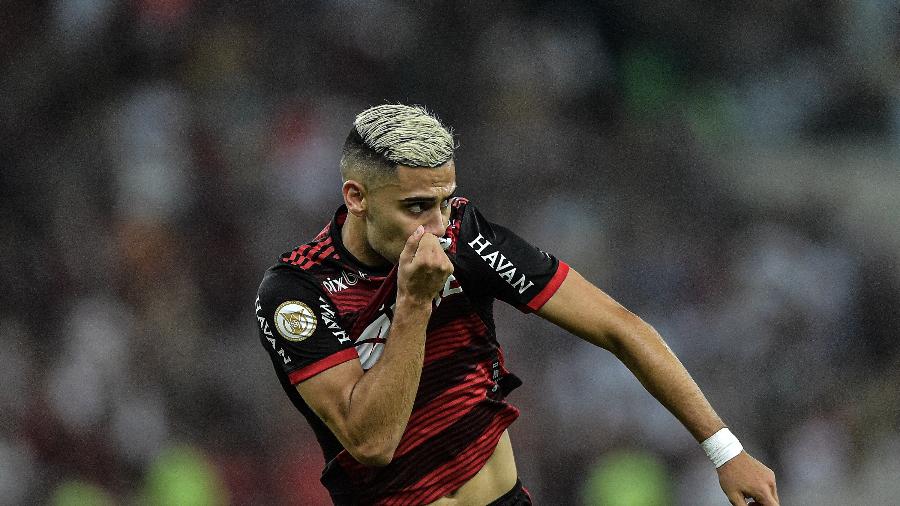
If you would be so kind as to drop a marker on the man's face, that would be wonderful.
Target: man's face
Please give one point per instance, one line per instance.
(415, 196)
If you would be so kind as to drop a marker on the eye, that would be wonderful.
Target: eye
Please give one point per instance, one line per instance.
(445, 203)
(415, 208)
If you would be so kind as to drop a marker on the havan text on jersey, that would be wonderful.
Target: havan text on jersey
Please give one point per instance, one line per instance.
(264, 328)
(500, 263)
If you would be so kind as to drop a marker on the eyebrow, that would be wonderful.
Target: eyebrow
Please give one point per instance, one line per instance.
(426, 198)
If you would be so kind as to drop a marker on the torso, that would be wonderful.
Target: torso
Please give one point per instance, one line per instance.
(497, 477)
(455, 450)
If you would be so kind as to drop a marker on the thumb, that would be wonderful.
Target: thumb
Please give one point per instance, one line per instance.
(412, 245)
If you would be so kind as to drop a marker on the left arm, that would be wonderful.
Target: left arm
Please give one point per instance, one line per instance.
(586, 311)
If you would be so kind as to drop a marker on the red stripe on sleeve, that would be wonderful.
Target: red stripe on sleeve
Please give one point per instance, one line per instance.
(326, 363)
(544, 295)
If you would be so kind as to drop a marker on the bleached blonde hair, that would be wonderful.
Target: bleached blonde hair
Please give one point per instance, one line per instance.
(405, 135)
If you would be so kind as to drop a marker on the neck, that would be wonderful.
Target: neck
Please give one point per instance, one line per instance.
(353, 235)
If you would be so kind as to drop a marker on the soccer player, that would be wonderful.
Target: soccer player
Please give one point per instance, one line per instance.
(381, 332)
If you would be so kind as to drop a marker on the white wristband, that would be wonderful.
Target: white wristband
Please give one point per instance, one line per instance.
(722, 447)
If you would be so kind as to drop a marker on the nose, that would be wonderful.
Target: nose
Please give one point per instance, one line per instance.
(434, 223)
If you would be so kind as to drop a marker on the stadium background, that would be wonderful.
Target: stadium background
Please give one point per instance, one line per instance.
(727, 170)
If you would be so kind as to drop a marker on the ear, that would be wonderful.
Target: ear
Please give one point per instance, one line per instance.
(355, 197)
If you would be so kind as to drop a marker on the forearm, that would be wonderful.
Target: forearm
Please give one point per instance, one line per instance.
(381, 401)
(586, 311)
(652, 362)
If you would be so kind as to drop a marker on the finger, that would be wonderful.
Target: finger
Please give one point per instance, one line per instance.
(767, 498)
(431, 249)
(429, 241)
(412, 244)
(775, 492)
(442, 261)
(763, 498)
(736, 499)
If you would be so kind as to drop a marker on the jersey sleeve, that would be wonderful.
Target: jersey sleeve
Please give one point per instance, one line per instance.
(501, 264)
(299, 327)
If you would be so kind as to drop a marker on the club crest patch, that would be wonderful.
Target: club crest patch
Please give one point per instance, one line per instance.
(295, 321)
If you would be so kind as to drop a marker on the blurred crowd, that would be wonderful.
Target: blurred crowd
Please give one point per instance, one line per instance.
(729, 171)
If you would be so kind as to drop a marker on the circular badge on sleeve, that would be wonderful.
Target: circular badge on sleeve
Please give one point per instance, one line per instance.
(295, 320)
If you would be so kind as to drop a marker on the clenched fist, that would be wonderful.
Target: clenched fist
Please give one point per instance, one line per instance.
(744, 476)
(423, 267)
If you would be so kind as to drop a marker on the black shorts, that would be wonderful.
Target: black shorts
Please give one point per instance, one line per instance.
(518, 496)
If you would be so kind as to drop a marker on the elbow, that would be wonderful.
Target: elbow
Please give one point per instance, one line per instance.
(369, 444)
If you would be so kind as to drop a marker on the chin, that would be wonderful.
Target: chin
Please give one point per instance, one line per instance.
(393, 259)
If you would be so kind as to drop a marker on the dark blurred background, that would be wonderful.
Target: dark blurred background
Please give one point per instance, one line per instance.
(730, 171)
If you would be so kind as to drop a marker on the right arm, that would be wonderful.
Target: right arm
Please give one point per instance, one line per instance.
(368, 411)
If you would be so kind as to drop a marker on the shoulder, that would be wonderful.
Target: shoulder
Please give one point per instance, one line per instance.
(460, 207)
(313, 255)
(308, 264)
(459, 202)
(468, 226)
(284, 280)
(464, 221)
(467, 215)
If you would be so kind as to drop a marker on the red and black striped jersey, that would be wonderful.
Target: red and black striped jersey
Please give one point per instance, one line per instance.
(315, 310)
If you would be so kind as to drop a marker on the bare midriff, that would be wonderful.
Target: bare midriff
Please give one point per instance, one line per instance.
(497, 477)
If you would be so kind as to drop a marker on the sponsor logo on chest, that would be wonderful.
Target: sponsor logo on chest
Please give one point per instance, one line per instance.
(342, 282)
(370, 343)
